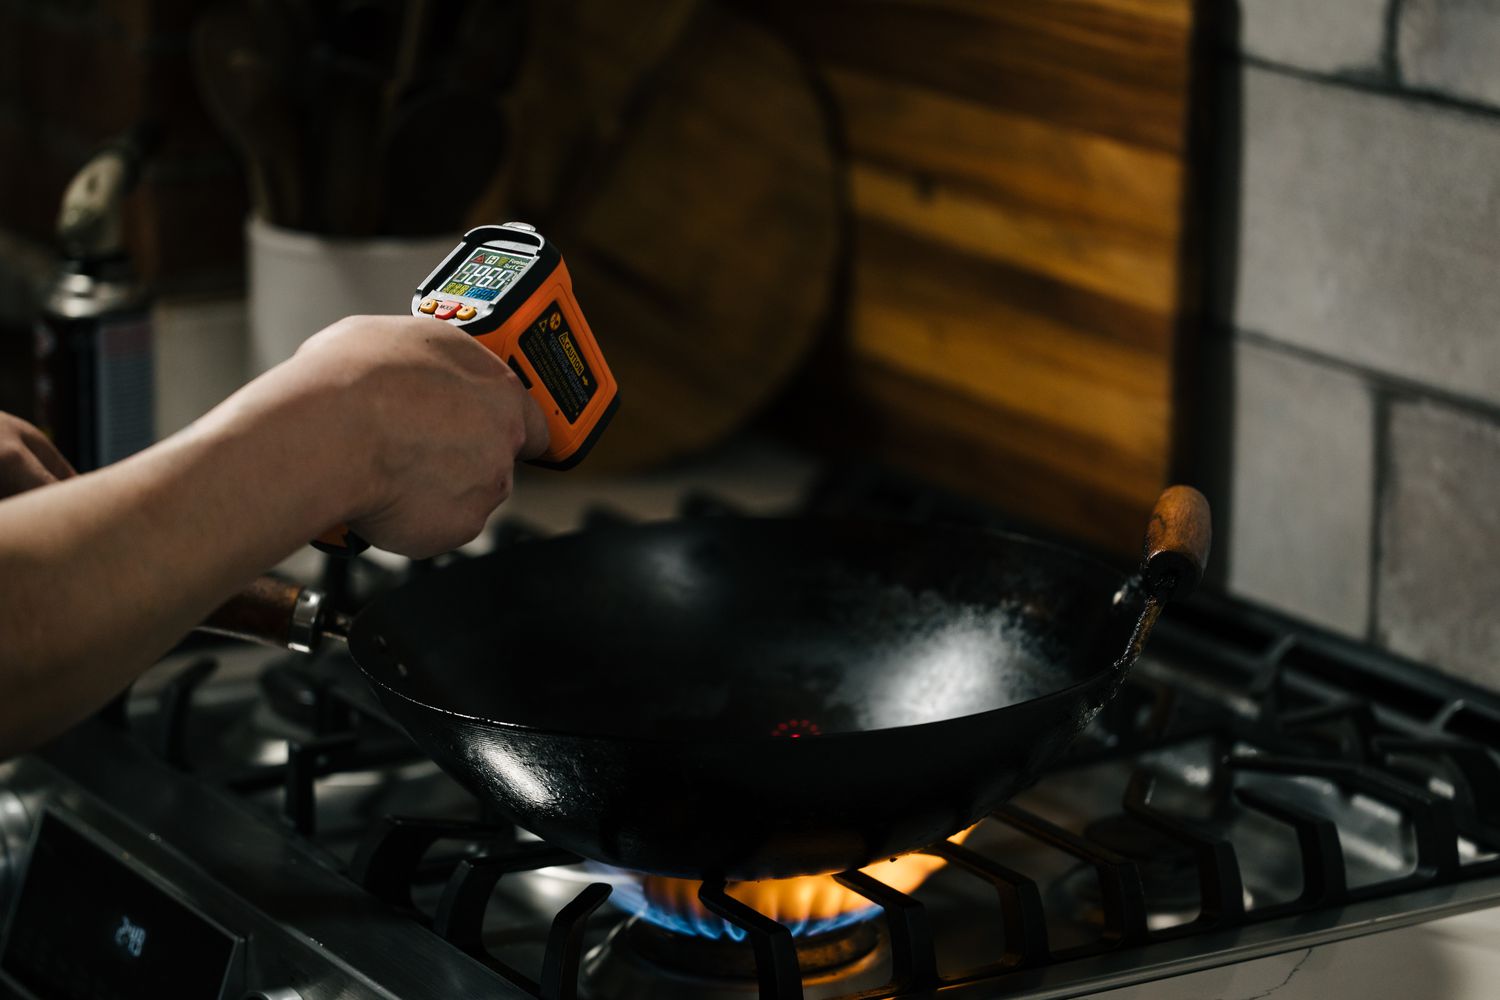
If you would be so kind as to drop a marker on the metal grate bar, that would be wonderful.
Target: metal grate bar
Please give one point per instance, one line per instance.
(1220, 889)
(1265, 682)
(913, 955)
(1020, 903)
(776, 965)
(263, 777)
(1122, 895)
(1474, 768)
(1431, 817)
(565, 943)
(1323, 876)
(460, 912)
(174, 701)
(305, 761)
(387, 859)
(1357, 714)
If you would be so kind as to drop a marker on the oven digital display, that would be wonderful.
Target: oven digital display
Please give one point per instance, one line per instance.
(87, 925)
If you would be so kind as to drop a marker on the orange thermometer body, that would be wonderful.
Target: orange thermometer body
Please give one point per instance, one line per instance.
(508, 288)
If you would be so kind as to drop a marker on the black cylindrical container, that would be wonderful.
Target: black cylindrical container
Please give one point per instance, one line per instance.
(95, 373)
(94, 363)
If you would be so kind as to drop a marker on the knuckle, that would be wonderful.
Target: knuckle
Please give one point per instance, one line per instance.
(39, 443)
(501, 489)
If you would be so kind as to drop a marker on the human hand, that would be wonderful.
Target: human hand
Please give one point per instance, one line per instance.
(438, 424)
(27, 458)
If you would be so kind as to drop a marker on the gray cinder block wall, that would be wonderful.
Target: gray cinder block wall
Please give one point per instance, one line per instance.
(1356, 236)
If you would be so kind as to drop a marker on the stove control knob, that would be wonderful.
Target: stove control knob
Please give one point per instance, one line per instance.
(273, 995)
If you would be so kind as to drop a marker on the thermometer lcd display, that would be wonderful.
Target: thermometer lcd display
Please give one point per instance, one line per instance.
(484, 275)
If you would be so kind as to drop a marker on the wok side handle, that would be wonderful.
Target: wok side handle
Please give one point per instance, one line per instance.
(1178, 538)
(279, 613)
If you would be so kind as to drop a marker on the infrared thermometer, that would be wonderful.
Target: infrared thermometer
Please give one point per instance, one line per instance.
(508, 288)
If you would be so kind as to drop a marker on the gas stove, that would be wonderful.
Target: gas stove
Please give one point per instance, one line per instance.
(256, 826)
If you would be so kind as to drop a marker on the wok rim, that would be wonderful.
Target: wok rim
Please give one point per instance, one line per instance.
(1092, 565)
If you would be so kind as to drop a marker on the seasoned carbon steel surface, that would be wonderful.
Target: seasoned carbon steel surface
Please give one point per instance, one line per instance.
(750, 699)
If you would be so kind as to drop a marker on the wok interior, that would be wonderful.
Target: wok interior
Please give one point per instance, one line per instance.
(744, 629)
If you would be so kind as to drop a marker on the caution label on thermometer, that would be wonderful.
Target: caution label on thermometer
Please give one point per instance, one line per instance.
(550, 347)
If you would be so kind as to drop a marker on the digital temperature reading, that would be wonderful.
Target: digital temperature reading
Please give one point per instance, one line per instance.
(88, 925)
(131, 937)
(483, 276)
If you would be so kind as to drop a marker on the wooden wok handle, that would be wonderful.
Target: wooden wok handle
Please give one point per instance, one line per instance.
(276, 613)
(1177, 542)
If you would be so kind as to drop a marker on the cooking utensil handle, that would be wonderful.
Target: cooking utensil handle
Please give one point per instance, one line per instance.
(278, 613)
(1178, 539)
(340, 541)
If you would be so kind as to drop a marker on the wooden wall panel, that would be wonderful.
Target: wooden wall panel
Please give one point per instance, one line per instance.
(1016, 178)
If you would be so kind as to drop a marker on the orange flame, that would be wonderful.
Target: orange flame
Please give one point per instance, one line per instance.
(797, 900)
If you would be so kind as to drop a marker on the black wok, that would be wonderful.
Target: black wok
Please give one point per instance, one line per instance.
(746, 699)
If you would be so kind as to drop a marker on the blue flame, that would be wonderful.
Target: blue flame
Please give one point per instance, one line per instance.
(629, 896)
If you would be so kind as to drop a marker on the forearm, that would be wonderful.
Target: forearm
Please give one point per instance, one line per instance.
(101, 574)
(401, 427)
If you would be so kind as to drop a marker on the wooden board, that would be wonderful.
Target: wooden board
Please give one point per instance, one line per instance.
(1017, 173)
(689, 176)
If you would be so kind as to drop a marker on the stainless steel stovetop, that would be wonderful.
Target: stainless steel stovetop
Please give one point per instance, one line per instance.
(1257, 788)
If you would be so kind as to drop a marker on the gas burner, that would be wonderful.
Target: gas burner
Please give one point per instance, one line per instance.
(640, 960)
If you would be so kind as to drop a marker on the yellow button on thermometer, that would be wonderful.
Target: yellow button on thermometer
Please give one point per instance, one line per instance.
(508, 287)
